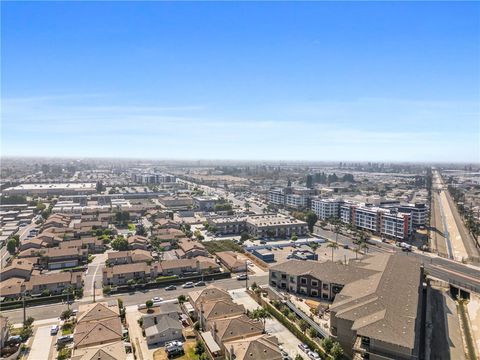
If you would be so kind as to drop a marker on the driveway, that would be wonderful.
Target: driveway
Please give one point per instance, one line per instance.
(94, 274)
(42, 343)
(240, 296)
(286, 339)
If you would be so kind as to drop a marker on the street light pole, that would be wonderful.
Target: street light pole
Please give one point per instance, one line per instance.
(246, 275)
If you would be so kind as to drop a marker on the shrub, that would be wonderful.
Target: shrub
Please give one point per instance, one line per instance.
(66, 314)
(64, 353)
(107, 289)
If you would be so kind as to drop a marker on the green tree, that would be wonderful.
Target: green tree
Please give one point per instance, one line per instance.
(11, 246)
(333, 246)
(181, 299)
(149, 304)
(327, 344)
(244, 236)
(260, 314)
(294, 237)
(312, 333)
(303, 325)
(298, 357)
(311, 219)
(336, 351)
(120, 243)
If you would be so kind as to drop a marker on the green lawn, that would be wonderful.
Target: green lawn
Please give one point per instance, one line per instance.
(132, 227)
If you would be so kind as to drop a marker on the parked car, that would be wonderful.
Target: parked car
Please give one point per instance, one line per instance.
(64, 339)
(200, 283)
(303, 347)
(313, 355)
(345, 246)
(174, 351)
(157, 299)
(54, 330)
(173, 343)
(242, 277)
(170, 287)
(263, 242)
(188, 285)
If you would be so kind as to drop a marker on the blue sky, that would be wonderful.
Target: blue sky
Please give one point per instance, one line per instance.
(263, 81)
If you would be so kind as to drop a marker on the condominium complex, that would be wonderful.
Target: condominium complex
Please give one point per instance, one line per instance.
(376, 310)
(392, 220)
(294, 198)
(265, 225)
(153, 178)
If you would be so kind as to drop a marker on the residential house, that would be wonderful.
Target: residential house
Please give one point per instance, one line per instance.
(19, 268)
(98, 324)
(137, 242)
(12, 288)
(110, 351)
(57, 258)
(54, 283)
(257, 347)
(234, 328)
(128, 257)
(121, 274)
(192, 248)
(166, 329)
(230, 260)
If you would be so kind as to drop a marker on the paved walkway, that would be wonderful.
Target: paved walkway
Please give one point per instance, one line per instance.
(42, 343)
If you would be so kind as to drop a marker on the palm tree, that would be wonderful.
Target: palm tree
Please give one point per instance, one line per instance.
(364, 246)
(260, 314)
(334, 246)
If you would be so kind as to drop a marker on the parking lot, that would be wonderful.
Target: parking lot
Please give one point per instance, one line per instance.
(323, 251)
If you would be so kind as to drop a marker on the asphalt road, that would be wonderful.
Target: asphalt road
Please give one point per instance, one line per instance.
(135, 298)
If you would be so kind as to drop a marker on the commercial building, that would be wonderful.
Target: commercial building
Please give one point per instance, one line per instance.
(204, 203)
(376, 310)
(291, 197)
(52, 189)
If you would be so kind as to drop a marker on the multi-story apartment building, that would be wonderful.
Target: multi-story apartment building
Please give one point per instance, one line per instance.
(273, 225)
(326, 208)
(389, 222)
(371, 301)
(418, 212)
(296, 201)
(153, 178)
(276, 196)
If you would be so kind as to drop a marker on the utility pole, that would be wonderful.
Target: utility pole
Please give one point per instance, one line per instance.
(24, 309)
(94, 283)
(246, 275)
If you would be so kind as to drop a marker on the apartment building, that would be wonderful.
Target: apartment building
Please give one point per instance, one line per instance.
(297, 201)
(376, 303)
(275, 225)
(276, 196)
(227, 225)
(153, 178)
(326, 208)
(418, 212)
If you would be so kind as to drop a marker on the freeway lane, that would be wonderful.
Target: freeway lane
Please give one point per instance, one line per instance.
(54, 310)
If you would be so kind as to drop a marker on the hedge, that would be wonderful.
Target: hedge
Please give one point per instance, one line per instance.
(8, 305)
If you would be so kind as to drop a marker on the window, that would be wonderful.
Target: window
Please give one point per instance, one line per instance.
(303, 281)
(274, 274)
(314, 293)
(325, 286)
(284, 276)
(315, 283)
